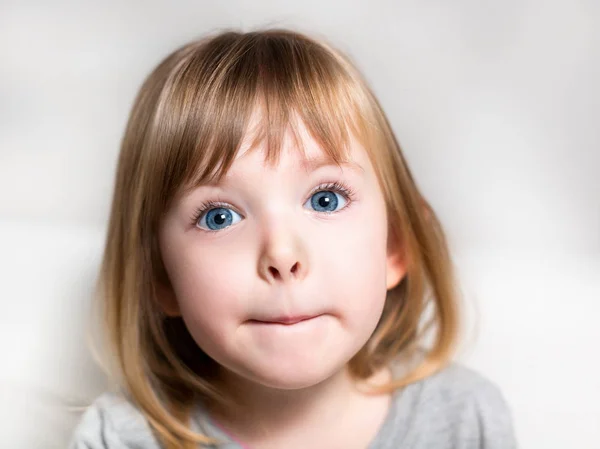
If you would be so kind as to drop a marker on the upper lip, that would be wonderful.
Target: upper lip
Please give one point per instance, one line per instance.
(287, 319)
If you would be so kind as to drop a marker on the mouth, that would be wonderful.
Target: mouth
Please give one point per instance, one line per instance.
(286, 320)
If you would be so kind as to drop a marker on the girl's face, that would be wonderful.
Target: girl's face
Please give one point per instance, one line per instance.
(280, 273)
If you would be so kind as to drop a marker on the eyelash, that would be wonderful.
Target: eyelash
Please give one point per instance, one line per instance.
(337, 187)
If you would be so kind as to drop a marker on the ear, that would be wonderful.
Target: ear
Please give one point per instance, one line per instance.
(395, 262)
(165, 296)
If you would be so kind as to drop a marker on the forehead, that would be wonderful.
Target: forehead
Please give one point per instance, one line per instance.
(298, 149)
(295, 145)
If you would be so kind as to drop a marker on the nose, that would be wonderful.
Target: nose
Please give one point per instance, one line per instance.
(283, 257)
(280, 273)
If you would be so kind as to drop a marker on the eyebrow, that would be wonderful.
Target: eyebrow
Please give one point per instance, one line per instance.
(309, 165)
(312, 164)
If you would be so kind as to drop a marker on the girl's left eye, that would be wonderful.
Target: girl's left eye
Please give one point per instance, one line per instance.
(326, 201)
(329, 198)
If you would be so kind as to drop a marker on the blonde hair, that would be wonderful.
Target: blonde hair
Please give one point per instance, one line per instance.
(186, 127)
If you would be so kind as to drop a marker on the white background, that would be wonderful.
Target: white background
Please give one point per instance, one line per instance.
(496, 104)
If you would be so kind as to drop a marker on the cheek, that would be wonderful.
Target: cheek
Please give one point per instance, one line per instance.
(209, 283)
(357, 266)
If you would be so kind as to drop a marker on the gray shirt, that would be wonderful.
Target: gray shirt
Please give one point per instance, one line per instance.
(453, 409)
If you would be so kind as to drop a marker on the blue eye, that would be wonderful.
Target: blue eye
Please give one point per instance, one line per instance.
(326, 201)
(218, 218)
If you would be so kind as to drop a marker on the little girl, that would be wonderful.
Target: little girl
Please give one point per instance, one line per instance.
(272, 277)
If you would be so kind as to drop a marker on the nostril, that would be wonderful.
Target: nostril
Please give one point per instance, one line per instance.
(274, 272)
(294, 268)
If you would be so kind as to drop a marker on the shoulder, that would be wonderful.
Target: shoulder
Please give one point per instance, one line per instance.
(112, 422)
(459, 405)
(457, 384)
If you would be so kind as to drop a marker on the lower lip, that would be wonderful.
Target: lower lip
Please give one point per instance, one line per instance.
(277, 336)
(296, 328)
(287, 324)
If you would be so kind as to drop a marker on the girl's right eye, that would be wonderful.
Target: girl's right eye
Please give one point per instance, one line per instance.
(217, 218)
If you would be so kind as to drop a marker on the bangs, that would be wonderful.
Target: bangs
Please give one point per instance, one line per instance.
(259, 86)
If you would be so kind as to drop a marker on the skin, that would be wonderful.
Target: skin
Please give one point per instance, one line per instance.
(281, 257)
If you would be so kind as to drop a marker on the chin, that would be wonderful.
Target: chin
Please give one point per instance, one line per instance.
(292, 379)
(293, 373)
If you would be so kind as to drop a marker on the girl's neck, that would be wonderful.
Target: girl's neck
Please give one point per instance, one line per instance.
(268, 417)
